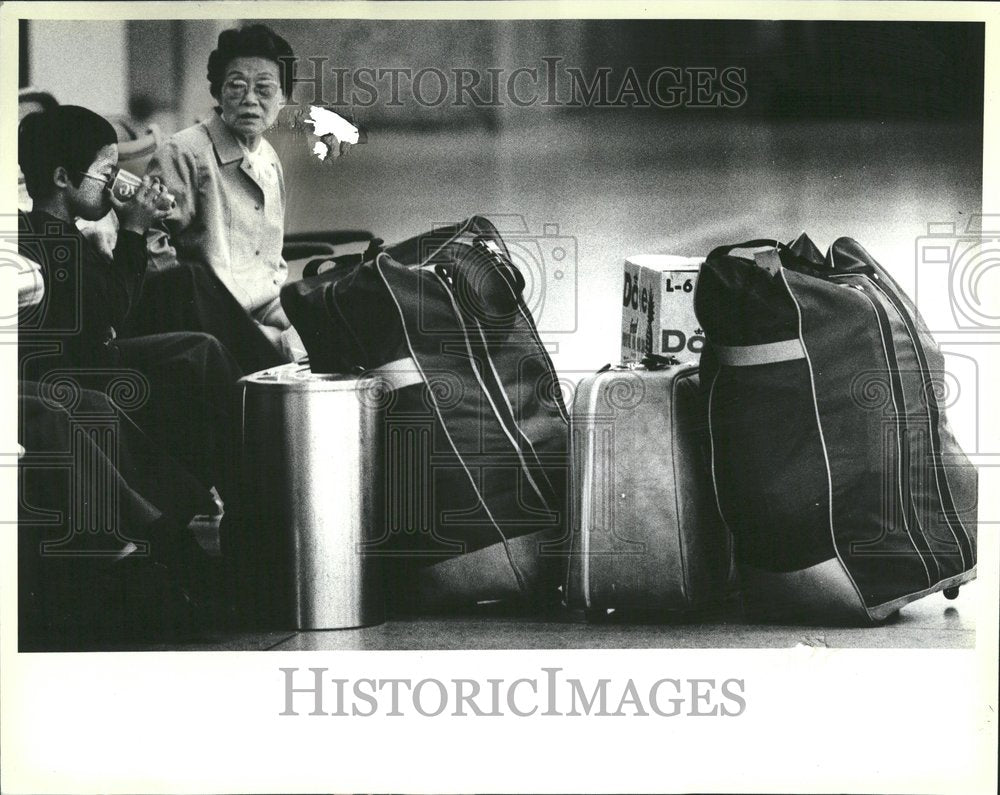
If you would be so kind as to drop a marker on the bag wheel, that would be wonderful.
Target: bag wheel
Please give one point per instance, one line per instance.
(951, 593)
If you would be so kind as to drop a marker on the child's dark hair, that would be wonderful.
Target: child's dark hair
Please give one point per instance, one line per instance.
(251, 41)
(43, 99)
(67, 136)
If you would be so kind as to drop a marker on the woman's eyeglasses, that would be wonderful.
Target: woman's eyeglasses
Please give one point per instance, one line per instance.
(237, 89)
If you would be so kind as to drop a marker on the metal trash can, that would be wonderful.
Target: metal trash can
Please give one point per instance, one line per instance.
(311, 451)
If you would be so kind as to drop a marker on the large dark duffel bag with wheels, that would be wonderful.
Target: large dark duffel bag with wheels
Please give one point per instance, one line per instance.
(832, 459)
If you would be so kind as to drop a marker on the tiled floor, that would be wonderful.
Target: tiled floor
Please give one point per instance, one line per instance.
(931, 623)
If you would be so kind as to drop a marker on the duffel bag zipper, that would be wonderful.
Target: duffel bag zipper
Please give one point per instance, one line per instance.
(947, 500)
(902, 438)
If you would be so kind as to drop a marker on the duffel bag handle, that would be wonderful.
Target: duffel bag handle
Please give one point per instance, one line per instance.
(484, 282)
(375, 247)
(503, 264)
(789, 257)
(312, 267)
(722, 250)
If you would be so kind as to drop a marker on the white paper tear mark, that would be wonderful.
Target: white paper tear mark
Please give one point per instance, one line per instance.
(327, 122)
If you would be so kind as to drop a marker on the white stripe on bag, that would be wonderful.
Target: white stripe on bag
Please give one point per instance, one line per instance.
(531, 325)
(766, 353)
(486, 391)
(510, 408)
(472, 481)
(904, 506)
(822, 441)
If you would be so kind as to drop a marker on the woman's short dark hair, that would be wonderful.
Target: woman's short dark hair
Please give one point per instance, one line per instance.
(250, 41)
(67, 136)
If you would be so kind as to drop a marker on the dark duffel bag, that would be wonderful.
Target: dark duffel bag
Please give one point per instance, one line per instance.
(832, 459)
(476, 430)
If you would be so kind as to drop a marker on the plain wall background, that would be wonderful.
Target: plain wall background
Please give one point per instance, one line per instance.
(870, 130)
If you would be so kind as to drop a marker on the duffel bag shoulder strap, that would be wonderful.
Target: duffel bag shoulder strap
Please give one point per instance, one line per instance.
(721, 251)
(479, 274)
(417, 252)
(423, 350)
(421, 251)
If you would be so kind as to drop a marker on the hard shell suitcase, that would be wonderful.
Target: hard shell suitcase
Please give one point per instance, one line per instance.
(646, 533)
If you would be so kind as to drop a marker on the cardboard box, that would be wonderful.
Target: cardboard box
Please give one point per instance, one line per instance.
(658, 307)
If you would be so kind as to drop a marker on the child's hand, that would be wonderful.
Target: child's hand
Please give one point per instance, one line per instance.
(152, 202)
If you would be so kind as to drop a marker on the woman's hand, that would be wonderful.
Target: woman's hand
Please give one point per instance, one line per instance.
(152, 203)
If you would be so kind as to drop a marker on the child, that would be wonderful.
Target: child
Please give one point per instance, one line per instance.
(69, 156)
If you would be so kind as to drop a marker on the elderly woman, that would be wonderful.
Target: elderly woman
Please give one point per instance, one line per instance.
(228, 223)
